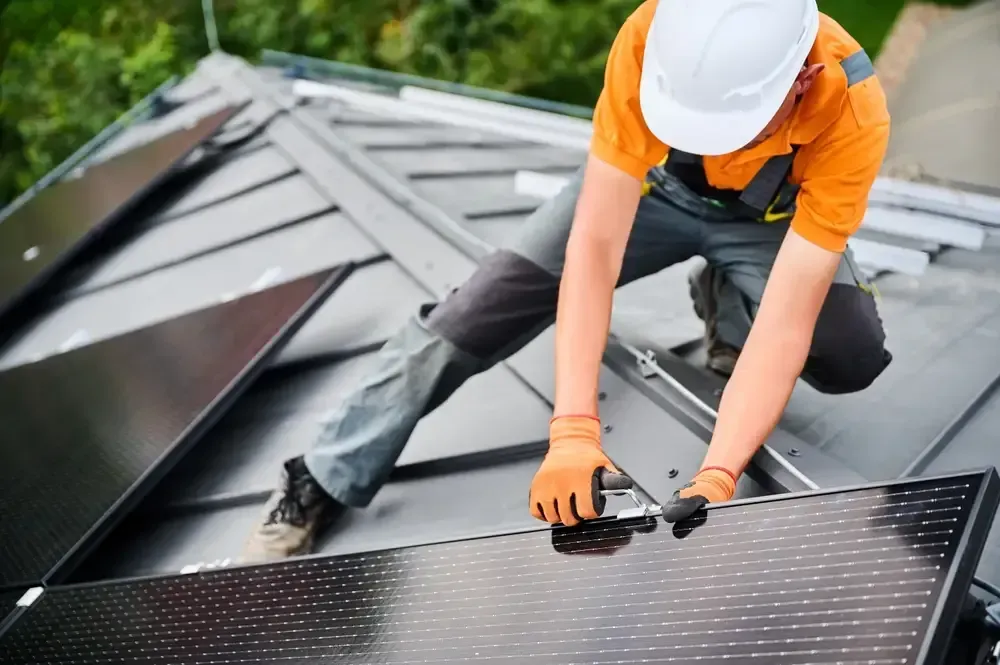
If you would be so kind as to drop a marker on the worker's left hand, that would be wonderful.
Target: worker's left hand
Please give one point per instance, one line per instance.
(711, 485)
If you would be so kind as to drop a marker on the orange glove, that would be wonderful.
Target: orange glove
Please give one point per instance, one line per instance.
(565, 487)
(711, 485)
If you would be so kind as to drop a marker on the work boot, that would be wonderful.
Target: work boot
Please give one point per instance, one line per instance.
(293, 516)
(721, 356)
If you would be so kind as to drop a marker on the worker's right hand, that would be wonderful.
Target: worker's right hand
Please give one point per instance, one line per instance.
(566, 487)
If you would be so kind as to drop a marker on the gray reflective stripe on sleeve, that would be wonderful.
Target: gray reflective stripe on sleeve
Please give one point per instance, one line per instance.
(858, 67)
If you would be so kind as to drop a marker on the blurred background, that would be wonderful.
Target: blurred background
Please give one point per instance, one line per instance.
(71, 67)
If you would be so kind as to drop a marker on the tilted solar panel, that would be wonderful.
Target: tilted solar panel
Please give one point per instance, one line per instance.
(85, 433)
(8, 603)
(867, 575)
(43, 234)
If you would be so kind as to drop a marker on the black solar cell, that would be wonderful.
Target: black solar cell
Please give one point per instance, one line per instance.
(86, 432)
(8, 603)
(40, 236)
(848, 577)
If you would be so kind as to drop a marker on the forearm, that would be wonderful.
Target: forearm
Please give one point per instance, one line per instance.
(756, 394)
(583, 320)
(774, 354)
(594, 252)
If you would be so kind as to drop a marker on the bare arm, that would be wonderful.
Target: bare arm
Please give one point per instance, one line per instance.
(774, 354)
(605, 212)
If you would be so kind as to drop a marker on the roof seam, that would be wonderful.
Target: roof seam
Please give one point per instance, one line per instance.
(73, 294)
(156, 221)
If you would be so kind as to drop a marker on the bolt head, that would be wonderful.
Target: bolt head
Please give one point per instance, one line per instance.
(602, 396)
(607, 428)
(672, 473)
(794, 452)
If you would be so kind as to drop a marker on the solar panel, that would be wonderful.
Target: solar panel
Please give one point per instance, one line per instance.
(868, 575)
(43, 234)
(85, 433)
(8, 603)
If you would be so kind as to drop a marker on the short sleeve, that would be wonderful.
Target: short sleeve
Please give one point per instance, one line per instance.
(836, 183)
(620, 136)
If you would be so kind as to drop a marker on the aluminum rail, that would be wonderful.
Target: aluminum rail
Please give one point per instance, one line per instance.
(300, 64)
(501, 112)
(384, 104)
(936, 199)
(929, 227)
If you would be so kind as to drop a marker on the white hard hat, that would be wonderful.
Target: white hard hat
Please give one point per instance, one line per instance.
(716, 71)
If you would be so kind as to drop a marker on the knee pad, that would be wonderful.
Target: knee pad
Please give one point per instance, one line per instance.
(505, 298)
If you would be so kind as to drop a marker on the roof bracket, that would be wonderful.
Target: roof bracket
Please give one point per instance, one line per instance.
(647, 364)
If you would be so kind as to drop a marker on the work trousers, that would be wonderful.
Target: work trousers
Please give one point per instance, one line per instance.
(511, 298)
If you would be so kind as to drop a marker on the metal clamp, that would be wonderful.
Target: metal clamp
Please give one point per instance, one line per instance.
(647, 364)
(640, 510)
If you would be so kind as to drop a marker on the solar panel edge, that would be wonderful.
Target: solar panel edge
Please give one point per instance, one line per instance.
(75, 556)
(959, 579)
(8, 615)
(978, 473)
(637, 524)
(66, 620)
(10, 308)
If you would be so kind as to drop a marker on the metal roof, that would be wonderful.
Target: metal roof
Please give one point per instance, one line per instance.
(416, 201)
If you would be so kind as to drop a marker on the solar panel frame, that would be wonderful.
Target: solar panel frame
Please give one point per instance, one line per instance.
(327, 281)
(9, 610)
(20, 294)
(980, 500)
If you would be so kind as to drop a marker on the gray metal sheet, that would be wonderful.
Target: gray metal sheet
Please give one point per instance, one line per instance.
(656, 312)
(232, 177)
(650, 445)
(474, 195)
(492, 411)
(497, 231)
(977, 445)
(471, 503)
(343, 116)
(256, 212)
(421, 136)
(372, 305)
(469, 161)
(943, 334)
(275, 258)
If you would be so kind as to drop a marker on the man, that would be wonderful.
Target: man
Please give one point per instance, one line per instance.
(745, 132)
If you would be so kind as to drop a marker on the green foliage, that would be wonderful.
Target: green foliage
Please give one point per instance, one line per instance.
(70, 73)
(70, 67)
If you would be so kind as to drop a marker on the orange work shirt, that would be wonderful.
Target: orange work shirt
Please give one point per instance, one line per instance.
(842, 133)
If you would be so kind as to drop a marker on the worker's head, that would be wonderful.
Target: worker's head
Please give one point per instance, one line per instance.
(723, 75)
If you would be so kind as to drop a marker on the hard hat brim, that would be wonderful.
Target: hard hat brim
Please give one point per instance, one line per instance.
(710, 133)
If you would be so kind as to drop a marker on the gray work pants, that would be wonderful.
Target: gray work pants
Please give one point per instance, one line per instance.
(511, 298)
